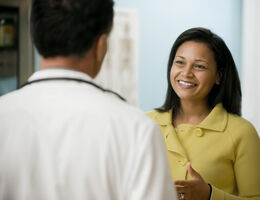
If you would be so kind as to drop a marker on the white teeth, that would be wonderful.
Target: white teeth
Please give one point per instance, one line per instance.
(186, 84)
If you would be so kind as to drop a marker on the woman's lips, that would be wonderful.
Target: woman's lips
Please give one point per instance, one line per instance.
(186, 83)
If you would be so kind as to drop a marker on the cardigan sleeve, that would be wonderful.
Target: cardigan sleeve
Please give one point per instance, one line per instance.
(246, 144)
(218, 194)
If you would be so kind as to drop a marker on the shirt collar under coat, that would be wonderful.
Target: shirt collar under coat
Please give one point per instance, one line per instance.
(216, 120)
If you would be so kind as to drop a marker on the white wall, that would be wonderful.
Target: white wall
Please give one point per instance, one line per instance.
(161, 21)
(251, 62)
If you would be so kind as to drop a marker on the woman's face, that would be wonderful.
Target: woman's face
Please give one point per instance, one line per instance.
(194, 71)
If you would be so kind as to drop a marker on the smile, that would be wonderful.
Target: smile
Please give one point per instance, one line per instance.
(187, 83)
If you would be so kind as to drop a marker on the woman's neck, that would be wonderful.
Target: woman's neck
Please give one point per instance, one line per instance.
(191, 113)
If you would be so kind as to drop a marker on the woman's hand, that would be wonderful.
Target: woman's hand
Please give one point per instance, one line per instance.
(194, 189)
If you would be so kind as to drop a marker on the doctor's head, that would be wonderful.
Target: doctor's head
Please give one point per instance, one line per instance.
(70, 27)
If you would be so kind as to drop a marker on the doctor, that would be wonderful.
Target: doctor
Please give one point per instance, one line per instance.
(63, 137)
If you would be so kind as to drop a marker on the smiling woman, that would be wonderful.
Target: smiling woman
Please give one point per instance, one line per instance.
(213, 153)
(194, 72)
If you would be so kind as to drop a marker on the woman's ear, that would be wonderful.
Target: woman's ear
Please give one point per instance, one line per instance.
(218, 78)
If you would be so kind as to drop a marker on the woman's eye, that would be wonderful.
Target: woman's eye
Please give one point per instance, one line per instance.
(179, 62)
(200, 67)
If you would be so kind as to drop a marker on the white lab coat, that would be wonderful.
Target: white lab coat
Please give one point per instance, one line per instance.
(65, 140)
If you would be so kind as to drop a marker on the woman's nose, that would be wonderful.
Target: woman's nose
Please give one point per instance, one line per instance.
(187, 71)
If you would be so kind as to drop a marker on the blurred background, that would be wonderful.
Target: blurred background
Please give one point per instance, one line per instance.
(143, 33)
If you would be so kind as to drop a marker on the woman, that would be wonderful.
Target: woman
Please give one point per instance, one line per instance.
(213, 153)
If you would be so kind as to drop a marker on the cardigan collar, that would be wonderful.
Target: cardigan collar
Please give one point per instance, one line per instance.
(216, 120)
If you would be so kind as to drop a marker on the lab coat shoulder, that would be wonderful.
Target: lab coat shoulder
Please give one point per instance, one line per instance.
(149, 161)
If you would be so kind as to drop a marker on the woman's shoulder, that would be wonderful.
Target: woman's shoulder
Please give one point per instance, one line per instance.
(236, 120)
(163, 118)
(241, 127)
(233, 122)
(153, 113)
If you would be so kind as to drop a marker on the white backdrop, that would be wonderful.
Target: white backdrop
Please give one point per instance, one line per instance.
(120, 68)
(251, 62)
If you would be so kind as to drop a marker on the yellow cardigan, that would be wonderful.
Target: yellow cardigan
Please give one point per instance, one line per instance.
(224, 149)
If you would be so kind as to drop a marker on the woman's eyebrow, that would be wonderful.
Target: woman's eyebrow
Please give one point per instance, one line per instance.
(201, 60)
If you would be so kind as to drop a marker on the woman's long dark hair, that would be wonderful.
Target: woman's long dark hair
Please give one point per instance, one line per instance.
(228, 92)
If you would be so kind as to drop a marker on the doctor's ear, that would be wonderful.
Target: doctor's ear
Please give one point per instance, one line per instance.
(101, 47)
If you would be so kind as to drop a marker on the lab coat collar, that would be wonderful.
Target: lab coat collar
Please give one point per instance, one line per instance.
(60, 72)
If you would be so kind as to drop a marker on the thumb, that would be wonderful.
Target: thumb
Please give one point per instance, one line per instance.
(192, 172)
